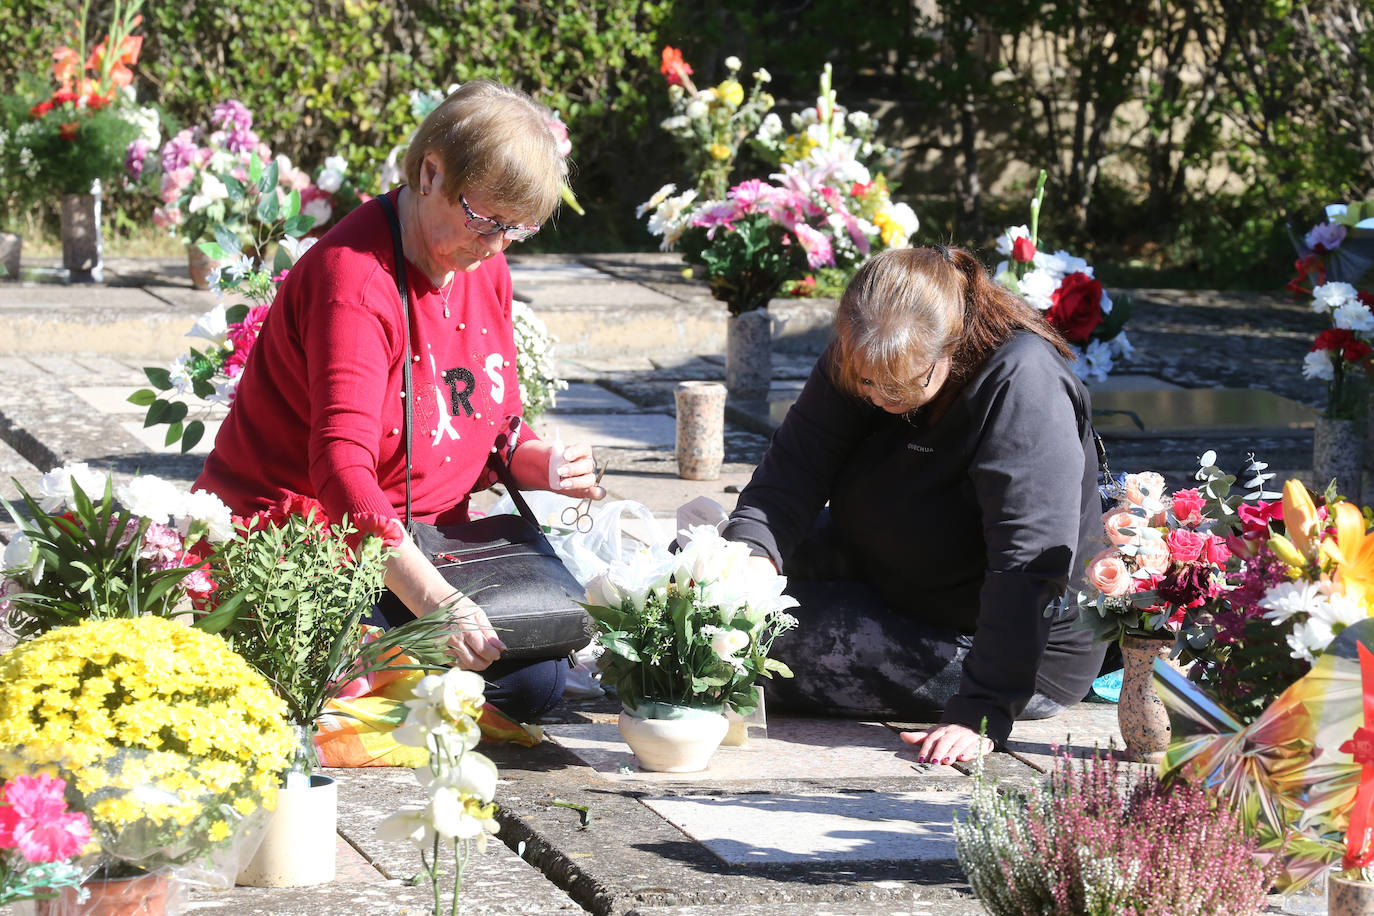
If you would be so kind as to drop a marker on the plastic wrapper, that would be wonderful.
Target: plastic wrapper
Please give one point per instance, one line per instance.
(143, 895)
(1293, 772)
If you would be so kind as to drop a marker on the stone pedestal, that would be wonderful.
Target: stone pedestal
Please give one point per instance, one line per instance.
(81, 244)
(700, 429)
(749, 355)
(11, 244)
(1338, 453)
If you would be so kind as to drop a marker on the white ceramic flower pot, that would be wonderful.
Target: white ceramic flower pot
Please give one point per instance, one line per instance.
(298, 845)
(683, 744)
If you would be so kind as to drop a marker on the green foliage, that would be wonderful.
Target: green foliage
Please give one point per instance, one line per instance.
(88, 567)
(304, 592)
(746, 266)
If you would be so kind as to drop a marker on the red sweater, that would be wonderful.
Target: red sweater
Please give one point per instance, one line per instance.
(319, 410)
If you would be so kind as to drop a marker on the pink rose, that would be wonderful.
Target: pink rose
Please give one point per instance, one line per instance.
(1185, 546)
(1188, 507)
(1109, 575)
(1216, 550)
(1146, 491)
(1117, 521)
(1153, 556)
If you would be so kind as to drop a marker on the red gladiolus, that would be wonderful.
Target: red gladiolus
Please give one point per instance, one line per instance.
(674, 67)
(1023, 250)
(40, 109)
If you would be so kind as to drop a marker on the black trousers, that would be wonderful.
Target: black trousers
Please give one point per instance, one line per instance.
(854, 656)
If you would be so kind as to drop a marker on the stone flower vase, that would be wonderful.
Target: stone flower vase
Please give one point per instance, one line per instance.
(297, 848)
(199, 265)
(700, 429)
(81, 244)
(11, 246)
(141, 895)
(1348, 897)
(1338, 452)
(749, 355)
(672, 739)
(1140, 713)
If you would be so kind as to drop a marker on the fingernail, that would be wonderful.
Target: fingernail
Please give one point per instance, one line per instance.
(944, 760)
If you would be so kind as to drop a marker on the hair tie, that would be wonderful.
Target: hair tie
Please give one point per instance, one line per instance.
(944, 252)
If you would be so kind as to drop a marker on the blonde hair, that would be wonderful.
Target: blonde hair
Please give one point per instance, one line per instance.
(906, 308)
(496, 139)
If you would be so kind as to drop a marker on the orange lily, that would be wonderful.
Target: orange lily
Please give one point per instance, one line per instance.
(1300, 518)
(1353, 553)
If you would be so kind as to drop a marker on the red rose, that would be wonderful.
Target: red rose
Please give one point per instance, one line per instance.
(1077, 308)
(1023, 250)
(1188, 507)
(1184, 546)
(1216, 550)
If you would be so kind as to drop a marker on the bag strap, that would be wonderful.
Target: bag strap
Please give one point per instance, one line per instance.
(494, 462)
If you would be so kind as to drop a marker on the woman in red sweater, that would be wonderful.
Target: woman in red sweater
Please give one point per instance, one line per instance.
(320, 409)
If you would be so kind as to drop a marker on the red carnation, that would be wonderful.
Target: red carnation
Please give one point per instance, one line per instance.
(1077, 307)
(1351, 348)
(1023, 250)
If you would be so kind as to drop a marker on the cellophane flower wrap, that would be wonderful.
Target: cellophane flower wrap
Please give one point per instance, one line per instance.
(168, 741)
(1062, 286)
(88, 549)
(692, 628)
(459, 783)
(39, 839)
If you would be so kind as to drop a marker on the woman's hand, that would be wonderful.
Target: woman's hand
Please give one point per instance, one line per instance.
(474, 645)
(534, 467)
(947, 743)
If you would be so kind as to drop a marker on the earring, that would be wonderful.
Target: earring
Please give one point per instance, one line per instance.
(424, 192)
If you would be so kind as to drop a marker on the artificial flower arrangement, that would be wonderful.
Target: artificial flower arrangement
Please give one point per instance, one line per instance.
(1340, 356)
(210, 373)
(1063, 287)
(76, 135)
(81, 554)
(823, 209)
(1169, 564)
(1340, 248)
(331, 196)
(304, 584)
(1093, 838)
(710, 124)
(689, 629)
(534, 362)
(835, 154)
(459, 783)
(166, 740)
(39, 838)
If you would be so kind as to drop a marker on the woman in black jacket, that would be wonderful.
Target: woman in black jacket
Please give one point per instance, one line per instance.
(953, 443)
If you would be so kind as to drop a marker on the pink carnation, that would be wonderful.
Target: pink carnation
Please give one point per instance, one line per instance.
(35, 820)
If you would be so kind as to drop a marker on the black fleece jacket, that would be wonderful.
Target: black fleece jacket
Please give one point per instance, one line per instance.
(973, 513)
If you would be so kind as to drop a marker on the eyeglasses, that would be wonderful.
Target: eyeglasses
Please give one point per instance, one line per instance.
(868, 382)
(483, 225)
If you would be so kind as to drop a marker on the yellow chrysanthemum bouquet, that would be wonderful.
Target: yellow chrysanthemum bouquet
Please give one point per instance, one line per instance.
(167, 740)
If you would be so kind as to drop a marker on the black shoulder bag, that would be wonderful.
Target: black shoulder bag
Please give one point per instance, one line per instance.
(502, 562)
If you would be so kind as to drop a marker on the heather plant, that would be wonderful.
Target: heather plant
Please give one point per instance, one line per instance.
(1095, 840)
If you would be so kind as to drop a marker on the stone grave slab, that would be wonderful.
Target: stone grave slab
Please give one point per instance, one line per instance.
(586, 396)
(1077, 730)
(765, 828)
(525, 273)
(114, 399)
(1200, 412)
(644, 431)
(794, 749)
(1128, 381)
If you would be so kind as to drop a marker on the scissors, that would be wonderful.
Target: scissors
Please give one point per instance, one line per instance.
(579, 516)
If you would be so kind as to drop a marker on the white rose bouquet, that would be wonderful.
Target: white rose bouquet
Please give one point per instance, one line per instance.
(692, 628)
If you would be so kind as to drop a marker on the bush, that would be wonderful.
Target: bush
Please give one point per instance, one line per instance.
(1094, 841)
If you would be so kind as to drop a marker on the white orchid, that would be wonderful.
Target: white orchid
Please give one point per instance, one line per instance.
(457, 692)
(212, 326)
(22, 558)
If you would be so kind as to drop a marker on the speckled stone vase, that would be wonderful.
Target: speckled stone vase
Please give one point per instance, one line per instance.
(1345, 897)
(199, 265)
(81, 244)
(749, 355)
(700, 429)
(1338, 452)
(1141, 715)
